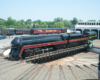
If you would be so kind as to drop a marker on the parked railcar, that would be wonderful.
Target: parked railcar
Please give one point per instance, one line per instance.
(63, 30)
(7, 31)
(18, 31)
(48, 30)
(32, 31)
(26, 31)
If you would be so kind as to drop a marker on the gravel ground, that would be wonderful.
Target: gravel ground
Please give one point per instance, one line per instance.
(15, 70)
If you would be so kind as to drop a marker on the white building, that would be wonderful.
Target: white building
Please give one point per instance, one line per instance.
(87, 26)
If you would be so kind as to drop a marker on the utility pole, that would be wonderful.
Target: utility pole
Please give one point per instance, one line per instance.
(1, 25)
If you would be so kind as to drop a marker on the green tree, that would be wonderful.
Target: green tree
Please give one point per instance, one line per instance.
(37, 26)
(11, 26)
(2, 22)
(81, 20)
(67, 23)
(28, 27)
(59, 25)
(58, 19)
(37, 22)
(10, 21)
(3, 27)
(22, 22)
(91, 20)
(28, 22)
(50, 24)
(20, 26)
(74, 21)
(43, 25)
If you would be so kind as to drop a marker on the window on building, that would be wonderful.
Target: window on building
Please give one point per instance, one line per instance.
(78, 23)
(92, 23)
(97, 23)
(85, 23)
(81, 23)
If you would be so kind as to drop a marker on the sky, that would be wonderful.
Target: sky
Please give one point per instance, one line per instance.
(47, 10)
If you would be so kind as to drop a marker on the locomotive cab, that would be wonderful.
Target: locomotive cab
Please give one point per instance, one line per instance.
(76, 40)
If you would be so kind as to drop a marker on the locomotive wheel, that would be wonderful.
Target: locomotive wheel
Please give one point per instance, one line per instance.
(49, 58)
(34, 61)
(38, 60)
(41, 60)
(85, 49)
(59, 55)
(68, 53)
(55, 56)
(45, 59)
(75, 50)
(64, 54)
(72, 52)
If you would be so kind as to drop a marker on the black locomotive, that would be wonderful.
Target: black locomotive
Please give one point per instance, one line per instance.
(22, 47)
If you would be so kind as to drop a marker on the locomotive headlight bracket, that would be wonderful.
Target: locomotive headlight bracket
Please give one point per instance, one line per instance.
(10, 44)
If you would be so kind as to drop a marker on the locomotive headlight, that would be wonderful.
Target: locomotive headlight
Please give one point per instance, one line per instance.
(10, 44)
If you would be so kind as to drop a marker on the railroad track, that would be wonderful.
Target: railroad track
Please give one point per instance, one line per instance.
(54, 54)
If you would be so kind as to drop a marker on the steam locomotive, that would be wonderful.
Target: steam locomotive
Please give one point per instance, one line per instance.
(22, 47)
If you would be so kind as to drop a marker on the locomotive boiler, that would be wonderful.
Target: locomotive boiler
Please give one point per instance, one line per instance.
(22, 47)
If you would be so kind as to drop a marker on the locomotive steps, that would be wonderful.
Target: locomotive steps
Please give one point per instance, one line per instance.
(54, 55)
